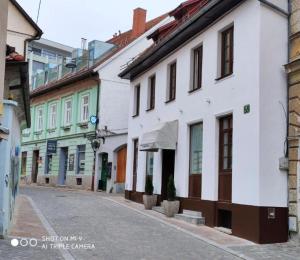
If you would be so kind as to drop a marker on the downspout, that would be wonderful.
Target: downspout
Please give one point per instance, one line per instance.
(288, 15)
(96, 127)
(287, 110)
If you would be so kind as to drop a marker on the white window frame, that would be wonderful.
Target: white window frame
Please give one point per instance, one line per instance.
(52, 116)
(84, 118)
(39, 119)
(66, 111)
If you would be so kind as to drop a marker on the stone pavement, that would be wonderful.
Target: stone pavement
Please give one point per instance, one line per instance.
(26, 225)
(238, 246)
(122, 229)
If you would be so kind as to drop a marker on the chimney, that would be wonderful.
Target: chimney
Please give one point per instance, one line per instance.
(139, 22)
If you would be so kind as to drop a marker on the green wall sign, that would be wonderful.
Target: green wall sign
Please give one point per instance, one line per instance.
(246, 109)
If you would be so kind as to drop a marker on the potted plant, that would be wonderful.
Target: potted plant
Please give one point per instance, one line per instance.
(171, 206)
(148, 198)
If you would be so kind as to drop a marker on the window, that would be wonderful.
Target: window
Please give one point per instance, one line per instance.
(68, 112)
(52, 116)
(227, 52)
(85, 108)
(172, 82)
(137, 90)
(151, 92)
(135, 163)
(39, 121)
(81, 159)
(225, 144)
(48, 163)
(196, 146)
(36, 51)
(197, 68)
(149, 163)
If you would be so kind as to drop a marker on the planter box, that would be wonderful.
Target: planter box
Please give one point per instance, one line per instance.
(149, 201)
(171, 207)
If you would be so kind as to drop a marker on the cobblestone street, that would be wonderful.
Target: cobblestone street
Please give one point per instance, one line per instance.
(108, 227)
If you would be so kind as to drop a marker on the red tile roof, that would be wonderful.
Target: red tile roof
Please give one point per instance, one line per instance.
(181, 14)
(121, 41)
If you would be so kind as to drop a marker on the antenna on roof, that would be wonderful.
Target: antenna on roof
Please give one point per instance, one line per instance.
(38, 14)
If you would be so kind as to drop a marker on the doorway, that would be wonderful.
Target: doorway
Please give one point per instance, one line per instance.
(168, 165)
(225, 159)
(121, 165)
(63, 166)
(35, 166)
(135, 163)
(104, 172)
(24, 163)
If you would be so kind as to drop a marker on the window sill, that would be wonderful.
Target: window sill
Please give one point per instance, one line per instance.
(83, 124)
(66, 127)
(25, 135)
(38, 132)
(135, 116)
(170, 101)
(224, 77)
(191, 91)
(150, 109)
(51, 130)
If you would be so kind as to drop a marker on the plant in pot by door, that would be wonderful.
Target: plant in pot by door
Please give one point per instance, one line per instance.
(148, 198)
(171, 206)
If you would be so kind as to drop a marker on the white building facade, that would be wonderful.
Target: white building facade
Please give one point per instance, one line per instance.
(113, 111)
(231, 128)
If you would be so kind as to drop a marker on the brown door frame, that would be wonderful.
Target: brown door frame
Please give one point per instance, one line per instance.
(225, 175)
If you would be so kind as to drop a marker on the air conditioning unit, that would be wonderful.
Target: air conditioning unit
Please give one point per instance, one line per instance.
(82, 163)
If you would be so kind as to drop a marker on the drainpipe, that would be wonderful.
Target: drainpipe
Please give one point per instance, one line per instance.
(96, 127)
(287, 105)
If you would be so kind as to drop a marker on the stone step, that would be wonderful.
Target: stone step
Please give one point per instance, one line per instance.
(191, 219)
(158, 209)
(192, 213)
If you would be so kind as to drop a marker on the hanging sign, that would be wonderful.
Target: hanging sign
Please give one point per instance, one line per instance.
(51, 146)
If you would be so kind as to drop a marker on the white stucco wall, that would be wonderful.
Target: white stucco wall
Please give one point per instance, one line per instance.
(256, 179)
(115, 95)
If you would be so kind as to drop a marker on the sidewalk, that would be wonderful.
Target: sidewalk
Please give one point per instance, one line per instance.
(26, 225)
(237, 246)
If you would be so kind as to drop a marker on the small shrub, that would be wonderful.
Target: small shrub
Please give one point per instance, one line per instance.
(171, 190)
(149, 186)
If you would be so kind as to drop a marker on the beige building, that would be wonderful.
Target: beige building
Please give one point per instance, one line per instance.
(293, 70)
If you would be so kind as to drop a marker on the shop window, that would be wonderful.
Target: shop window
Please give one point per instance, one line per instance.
(81, 159)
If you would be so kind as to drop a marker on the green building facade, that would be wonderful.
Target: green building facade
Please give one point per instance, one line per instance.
(56, 150)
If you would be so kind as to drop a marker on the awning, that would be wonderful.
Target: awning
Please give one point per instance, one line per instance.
(163, 136)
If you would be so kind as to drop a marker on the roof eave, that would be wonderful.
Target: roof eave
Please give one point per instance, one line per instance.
(71, 80)
(206, 16)
(28, 18)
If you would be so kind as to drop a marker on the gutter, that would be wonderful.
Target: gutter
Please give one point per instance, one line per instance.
(275, 7)
(69, 81)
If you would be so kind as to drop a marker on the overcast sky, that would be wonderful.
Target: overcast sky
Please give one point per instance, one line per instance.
(66, 21)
